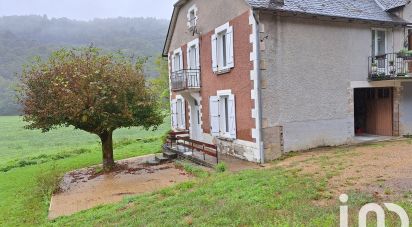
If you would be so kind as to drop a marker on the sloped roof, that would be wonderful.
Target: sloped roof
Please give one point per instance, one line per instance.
(392, 4)
(367, 10)
(352, 9)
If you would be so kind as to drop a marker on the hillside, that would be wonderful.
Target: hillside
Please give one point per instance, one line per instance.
(22, 37)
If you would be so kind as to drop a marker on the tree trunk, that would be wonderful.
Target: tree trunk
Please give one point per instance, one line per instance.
(107, 149)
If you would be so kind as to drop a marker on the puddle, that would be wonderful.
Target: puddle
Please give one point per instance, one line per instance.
(85, 188)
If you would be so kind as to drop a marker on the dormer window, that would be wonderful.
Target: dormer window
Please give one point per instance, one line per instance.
(192, 17)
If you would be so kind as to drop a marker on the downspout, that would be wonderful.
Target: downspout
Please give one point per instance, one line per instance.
(259, 91)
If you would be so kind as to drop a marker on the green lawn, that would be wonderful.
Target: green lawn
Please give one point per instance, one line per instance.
(277, 196)
(30, 163)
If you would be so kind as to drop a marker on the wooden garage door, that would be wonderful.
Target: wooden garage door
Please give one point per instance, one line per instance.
(380, 112)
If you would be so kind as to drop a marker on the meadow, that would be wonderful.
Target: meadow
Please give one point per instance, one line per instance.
(31, 163)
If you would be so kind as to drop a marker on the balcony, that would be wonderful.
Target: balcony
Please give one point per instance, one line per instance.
(392, 66)
(185, 79)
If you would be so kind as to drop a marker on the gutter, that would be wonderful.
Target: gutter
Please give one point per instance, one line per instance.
(259, 90)
(399, 20)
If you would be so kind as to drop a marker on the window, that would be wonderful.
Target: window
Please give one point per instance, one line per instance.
(192, 17)
(178, 113)
(193, 54)
(378, 42)
(223, 115)
(177, 60)
(222, 49)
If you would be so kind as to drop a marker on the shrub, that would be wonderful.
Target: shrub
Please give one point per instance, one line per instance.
(221, 167)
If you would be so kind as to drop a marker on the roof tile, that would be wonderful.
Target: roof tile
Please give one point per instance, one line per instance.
(356, 9)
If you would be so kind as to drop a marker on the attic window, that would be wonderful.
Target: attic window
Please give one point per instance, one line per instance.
(192, 17)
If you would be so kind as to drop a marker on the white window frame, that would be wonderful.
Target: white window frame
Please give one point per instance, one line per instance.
(193, 9)
(190, 45)
(179, 113)
(225, 118)
(175, 53)
(375, 42)
(219, 50)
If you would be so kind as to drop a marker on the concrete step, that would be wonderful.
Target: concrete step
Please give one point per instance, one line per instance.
(153, 162)
(161, 159)
(169, 155)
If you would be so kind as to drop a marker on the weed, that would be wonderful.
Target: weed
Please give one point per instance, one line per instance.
(221, 167)
(191, 169)
(387, 191)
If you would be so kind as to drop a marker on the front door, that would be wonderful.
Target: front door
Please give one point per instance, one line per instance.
(195, 120)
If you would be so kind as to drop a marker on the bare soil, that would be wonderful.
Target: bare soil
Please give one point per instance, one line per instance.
(86, 188)
(383, 170)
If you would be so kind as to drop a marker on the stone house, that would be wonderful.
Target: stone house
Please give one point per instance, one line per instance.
(260, 78)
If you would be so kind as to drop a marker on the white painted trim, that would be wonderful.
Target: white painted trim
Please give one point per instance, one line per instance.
(224, 92)
(195, 9)
(254, 92)
(179, 97)
(194, 42)
(169, 65)
(386, 38)
(190, 44)
(221, 28)
(229, 51)
(177, 51)
(198, 99)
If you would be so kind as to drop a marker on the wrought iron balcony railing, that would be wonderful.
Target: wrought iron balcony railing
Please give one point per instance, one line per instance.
(185, 79)
(390, 66)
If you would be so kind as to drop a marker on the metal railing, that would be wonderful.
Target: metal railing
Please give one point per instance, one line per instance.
(179, 141)
(389, 66)
(185, 79)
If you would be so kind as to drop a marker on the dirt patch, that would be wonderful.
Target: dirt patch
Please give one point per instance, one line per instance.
(86, 188)
(383, 170)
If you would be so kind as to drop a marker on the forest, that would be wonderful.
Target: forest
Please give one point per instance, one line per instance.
(24, 37)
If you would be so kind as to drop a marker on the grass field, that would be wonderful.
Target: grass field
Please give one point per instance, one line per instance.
(295, 194)
(31, 162)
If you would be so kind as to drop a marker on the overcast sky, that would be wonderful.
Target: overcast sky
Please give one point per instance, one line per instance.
(88, 9)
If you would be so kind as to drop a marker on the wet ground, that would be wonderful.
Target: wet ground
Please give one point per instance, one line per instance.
(86, 188)
(383, 169)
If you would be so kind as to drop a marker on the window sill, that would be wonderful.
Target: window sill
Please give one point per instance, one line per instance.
(223, 71)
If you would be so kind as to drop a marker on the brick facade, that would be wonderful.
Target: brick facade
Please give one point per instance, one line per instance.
(237, 80)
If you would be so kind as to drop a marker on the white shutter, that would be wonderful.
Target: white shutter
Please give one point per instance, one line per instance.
(181, 60)
(188, 57)
(232, 116)
(174, 114)
(197, 56)
(214, 115)
(229, 48)
(214, 53)
(183, 126)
